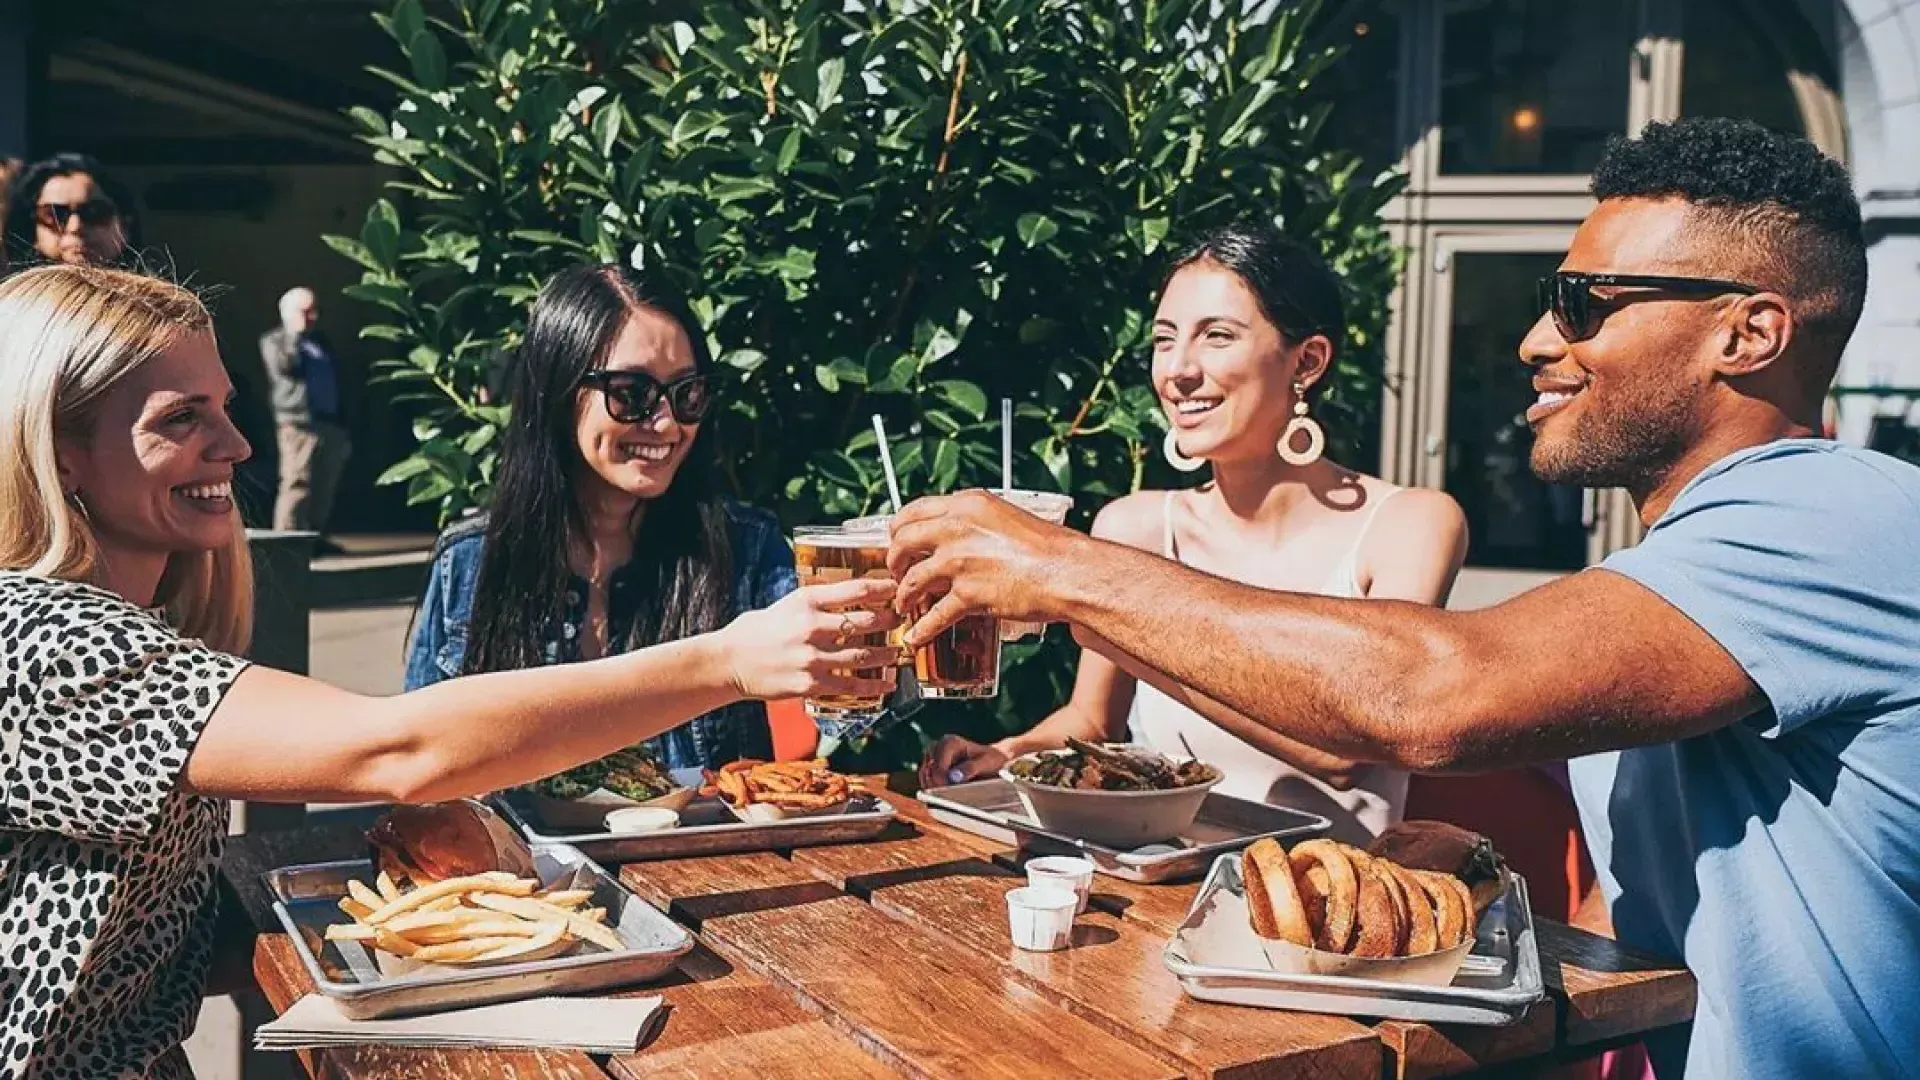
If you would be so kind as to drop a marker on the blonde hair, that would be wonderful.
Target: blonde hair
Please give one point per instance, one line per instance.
(68, 334)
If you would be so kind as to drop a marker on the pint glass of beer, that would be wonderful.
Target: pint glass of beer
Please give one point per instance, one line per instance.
(1053, 509)
(963, 662)
(829, 553)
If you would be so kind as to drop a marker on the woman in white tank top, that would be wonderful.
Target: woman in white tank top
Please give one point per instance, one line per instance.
(1247, 325)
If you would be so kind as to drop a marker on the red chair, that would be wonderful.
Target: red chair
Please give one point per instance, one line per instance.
(1531, 821)
(795, 738)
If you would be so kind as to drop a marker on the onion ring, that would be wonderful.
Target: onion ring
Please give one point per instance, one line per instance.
(1334, 897)
(1273, 899)
(1378, 923)
(1452, 905)
(1423, 929)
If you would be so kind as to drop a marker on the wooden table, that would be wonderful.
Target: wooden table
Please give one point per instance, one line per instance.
(892, 959)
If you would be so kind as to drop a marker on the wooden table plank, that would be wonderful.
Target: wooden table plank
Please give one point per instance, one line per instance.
(726, 1023)
(924, 1007)
(1114, 977)
(695, 889)
(285, 981)
(908, 852)
(1610, 990)
(1420, 1051)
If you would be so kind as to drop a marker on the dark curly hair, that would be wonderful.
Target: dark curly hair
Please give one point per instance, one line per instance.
(1779, 210)
(1296, 289)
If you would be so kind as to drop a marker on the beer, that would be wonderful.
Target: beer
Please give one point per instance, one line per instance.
(963, 662)
(824, 554)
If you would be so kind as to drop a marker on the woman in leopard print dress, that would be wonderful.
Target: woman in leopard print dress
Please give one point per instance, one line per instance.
(126, 718)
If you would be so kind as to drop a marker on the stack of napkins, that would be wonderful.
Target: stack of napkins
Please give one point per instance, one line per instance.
(593, 1025)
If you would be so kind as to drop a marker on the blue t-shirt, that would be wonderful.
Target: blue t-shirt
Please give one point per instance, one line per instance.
(1780, 856)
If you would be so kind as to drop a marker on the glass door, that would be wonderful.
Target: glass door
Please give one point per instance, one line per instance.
(1477, 441)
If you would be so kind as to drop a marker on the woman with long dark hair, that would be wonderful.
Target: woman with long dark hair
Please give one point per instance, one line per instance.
(607, 531)
(1248, 325)
(65, 208)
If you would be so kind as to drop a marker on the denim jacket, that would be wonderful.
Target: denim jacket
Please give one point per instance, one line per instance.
(763, 573)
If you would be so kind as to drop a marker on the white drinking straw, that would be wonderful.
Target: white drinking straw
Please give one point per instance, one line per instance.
(1006, 445)
(886, 461)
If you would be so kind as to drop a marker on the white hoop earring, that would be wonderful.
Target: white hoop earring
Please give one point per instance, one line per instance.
(1316, 435)
(1170, 447)
(73, 500)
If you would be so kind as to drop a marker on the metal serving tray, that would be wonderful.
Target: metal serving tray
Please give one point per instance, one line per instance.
(306, 901)
(1496, 985)
(708, 828)
(992, 808)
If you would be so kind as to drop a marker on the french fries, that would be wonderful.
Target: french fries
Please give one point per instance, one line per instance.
(789, 785)
(477, 919)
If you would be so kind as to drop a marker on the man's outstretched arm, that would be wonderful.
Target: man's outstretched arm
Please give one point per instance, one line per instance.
(1591, 662)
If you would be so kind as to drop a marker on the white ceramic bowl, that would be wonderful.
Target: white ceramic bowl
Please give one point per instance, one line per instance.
(1117, 819)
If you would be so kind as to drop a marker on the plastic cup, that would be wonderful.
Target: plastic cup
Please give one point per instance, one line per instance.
(1048, 507)
(1041, 917)
(1063, 872)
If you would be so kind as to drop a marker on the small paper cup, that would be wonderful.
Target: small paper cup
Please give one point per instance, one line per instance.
(642, 819)
(1041, 917)
(1063, 872)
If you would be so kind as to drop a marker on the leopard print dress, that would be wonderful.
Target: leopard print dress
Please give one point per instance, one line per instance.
(107, 871)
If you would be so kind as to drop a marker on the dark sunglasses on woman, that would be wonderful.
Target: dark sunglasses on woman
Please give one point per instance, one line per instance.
(92, 212)
(632, 396)
(1577, 313)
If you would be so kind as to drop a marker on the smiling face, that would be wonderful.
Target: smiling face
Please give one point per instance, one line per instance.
(637, 460)
(1619, 408)
(154, 470)
(100, 242)
(1223, 370)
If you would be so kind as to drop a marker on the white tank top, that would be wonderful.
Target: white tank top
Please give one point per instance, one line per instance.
(1378, 796)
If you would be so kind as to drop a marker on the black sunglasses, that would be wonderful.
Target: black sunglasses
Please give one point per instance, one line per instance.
(632, 396)
(92, 212)
(1577, 313)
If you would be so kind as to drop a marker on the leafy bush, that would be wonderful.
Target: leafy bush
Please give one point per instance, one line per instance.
(912, 209)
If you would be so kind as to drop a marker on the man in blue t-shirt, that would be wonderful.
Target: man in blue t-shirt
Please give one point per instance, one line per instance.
(1741, 690)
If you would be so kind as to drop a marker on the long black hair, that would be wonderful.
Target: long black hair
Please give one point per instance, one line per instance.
(682, 554)
(25, 195)
(1296, 289)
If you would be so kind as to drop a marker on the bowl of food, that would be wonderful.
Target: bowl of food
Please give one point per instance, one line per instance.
(582, 797)
(1118, 796)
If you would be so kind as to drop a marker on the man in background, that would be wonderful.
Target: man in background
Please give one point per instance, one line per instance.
(303, 373)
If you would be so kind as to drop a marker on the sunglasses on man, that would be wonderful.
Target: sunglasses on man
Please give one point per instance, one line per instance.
(632, 396)
(1577, 313)
(93, 212)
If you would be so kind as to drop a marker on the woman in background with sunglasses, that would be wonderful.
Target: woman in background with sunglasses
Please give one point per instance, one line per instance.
(66, 209)
(608, 531)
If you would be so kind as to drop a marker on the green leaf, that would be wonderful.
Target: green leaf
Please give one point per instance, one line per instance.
(789, 151)
(381, 234)
(403, 471)
(1053, 454)
(408, 19)
(899, 374)
(746, 360)
(831, 72)
(352, 249)
(1035, 229)
(946, 466)
(963, 395)
(607, 127)
(429, 60)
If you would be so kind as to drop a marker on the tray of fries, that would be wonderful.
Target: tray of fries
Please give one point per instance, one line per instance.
(380, 949)
(745, 806)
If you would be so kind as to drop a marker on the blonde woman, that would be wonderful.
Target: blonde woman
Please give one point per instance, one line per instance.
(126, 717)
(1248, 324)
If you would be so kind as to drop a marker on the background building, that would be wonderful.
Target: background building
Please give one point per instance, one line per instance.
(225, 114)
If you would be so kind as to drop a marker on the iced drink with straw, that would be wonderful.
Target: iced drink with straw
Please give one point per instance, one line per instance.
(1051, 508)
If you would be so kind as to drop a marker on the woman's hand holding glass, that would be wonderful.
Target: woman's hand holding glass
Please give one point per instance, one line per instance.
(806, 644)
